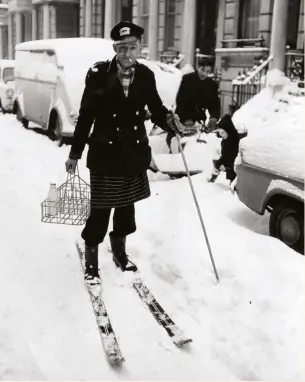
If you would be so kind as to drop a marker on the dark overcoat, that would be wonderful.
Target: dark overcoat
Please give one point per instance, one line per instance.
(195, 96)
(230, 145)
(118, 145)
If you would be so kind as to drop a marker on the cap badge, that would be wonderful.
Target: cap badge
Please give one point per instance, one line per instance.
(124, 31)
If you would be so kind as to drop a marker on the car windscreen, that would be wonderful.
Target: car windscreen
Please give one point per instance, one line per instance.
(8, 74)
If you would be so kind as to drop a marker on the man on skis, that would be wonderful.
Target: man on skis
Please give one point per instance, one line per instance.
(114, 100)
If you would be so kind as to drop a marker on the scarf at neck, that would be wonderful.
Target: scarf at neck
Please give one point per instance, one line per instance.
(126, 77)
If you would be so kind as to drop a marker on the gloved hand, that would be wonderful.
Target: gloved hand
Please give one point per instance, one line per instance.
(147, 115)
(71, 165)
(212, 124)
(222, 168)
(153, 167)
(174, 124)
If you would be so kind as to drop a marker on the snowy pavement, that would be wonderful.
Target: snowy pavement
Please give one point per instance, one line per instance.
(247, 327)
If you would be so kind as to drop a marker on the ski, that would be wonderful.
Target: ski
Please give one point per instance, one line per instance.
(159, 313)
(109, 339)
(155, 308)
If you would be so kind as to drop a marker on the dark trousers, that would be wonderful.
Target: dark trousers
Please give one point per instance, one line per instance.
(97, 224)
(230, 172)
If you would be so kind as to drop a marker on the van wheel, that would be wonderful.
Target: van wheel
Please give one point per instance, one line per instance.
(1, 108)
(25, 122)
(54, 130)
(287, 224)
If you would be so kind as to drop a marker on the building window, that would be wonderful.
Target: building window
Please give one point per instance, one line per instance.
(127, 10)
(26, 25)
(39, 22)
(145, 20)
(249, 19)
(67, 20)
(170, 24)
(98, 7)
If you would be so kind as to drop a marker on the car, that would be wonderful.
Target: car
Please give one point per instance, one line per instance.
(50, 79)
(262, 189)
(7, 85)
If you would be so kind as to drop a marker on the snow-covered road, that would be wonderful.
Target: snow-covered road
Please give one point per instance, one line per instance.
(247, 327)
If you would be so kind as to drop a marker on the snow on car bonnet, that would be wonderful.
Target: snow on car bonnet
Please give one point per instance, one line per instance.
(276, 133)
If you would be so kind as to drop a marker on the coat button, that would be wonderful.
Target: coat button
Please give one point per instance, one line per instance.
(110, 142)
(136, 127)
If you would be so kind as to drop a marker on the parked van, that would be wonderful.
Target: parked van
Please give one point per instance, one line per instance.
(7, 85)
(50, 79)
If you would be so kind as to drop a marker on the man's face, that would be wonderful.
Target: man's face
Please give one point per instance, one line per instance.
(223, 133)
(204, 71)
(127, 52)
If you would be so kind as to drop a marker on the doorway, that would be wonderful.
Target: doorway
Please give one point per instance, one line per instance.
(127, 10)
(206, 26)
(293, 23)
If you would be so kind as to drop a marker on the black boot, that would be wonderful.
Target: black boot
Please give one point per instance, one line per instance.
(212, 178)
(91, 265)
(120, 258)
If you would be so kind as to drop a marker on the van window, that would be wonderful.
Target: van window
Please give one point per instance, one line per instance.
(8, 74)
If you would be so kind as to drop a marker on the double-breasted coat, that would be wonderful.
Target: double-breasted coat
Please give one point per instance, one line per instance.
(118, 145)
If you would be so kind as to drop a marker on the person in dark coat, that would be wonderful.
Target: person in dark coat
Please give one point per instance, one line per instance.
(229, 149)
(115, 96)
(197, 93)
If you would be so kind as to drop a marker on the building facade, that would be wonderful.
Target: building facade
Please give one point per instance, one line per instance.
(238, 33)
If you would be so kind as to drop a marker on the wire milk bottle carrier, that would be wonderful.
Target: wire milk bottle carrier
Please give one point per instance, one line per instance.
(69, 203)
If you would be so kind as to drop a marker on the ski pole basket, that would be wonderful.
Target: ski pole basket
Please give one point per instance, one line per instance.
(71, 205)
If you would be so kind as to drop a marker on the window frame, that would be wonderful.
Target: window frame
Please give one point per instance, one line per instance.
(168, 14)
(241, 35)
(145, 16)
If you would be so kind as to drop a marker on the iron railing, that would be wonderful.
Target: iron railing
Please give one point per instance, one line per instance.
(295, 65)
(247, 85)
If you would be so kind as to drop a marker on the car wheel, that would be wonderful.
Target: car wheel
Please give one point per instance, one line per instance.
(1, 108)
(55, 129)
(20, 118)
(287, 224)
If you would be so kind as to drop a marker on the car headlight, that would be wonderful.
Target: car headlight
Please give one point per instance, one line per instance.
(9, 93)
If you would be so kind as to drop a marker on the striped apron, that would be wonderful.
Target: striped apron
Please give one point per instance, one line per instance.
(117, 191)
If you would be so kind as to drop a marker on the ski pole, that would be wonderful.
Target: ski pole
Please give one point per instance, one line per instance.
(197, 206)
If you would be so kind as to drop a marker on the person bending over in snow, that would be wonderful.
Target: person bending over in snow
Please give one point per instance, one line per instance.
(229, 149)
(197, 93)
(114, 99)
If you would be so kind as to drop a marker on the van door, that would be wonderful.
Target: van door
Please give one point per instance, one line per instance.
(47, 76)
(1, 86)
(27, 85)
